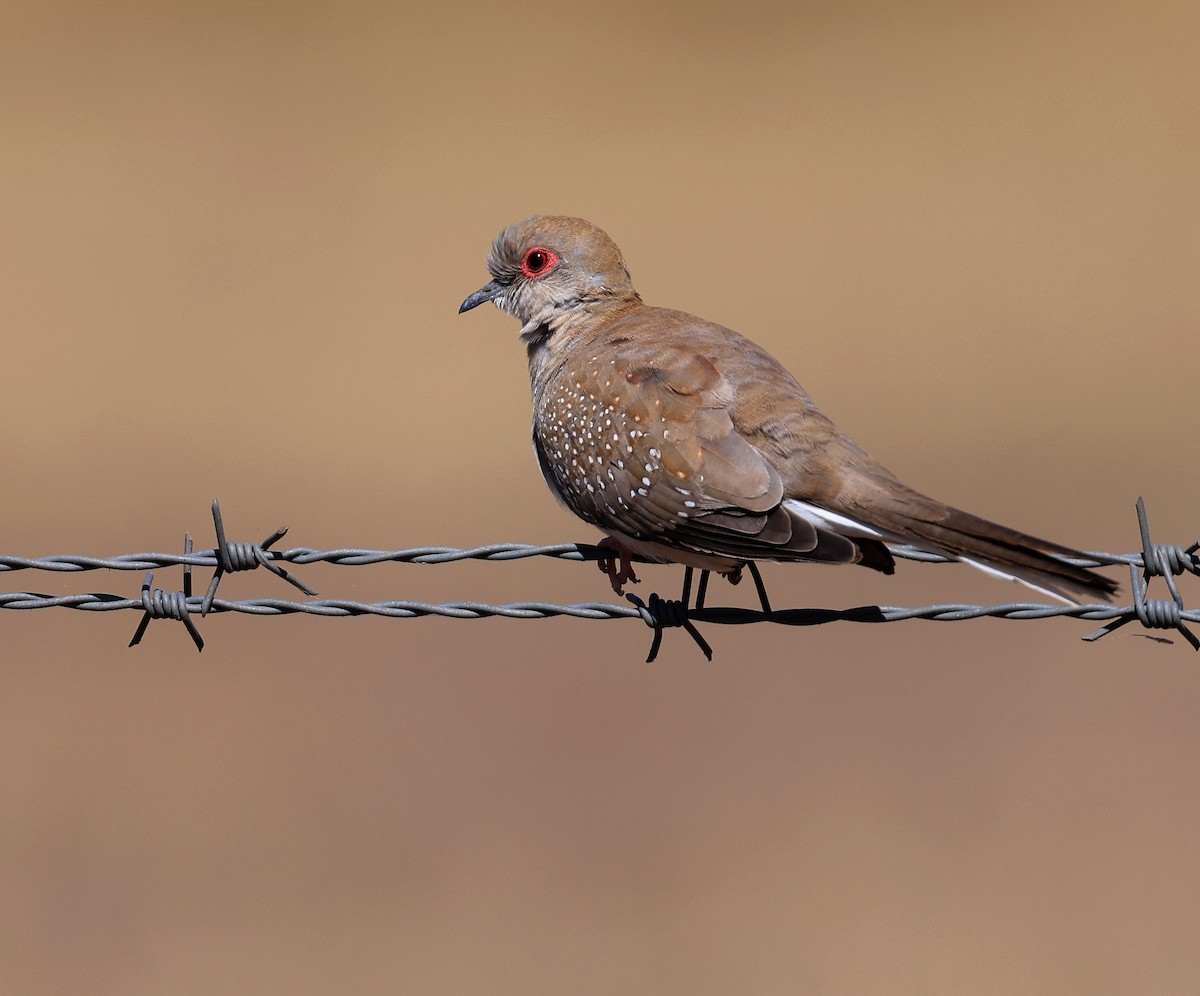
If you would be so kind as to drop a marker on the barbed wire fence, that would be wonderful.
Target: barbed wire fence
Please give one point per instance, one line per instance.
(1166, 561)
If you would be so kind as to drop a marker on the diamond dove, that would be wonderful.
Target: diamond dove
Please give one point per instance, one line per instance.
(685, 442)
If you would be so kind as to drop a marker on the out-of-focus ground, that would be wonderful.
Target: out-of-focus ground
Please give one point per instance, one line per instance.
(233, 243)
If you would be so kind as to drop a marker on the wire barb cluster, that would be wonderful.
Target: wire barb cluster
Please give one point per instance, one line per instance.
(161, 604)
(1167, 561)
(233, 557)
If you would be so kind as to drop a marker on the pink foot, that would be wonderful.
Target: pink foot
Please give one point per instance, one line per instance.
(733, 575)
(617, 568)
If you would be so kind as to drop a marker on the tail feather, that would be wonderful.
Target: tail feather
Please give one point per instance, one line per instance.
(998, 549)
(899, 515)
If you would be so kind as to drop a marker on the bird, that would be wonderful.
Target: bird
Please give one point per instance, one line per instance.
(685, 442)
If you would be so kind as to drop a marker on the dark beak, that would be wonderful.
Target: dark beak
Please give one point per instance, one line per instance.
(488, 292)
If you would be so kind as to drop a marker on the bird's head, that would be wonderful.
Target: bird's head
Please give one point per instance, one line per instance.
(548, 270)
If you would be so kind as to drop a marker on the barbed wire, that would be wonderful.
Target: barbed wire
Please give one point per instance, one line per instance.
(1154, 560)
(359, 557)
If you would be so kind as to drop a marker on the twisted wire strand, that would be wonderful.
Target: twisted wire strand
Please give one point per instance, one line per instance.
(949, 612)
(358, 557)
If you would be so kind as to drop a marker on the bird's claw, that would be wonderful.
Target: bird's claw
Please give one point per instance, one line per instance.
(617, 567)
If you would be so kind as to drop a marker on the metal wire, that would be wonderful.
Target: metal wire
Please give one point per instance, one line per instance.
(1164, 560)
(359, 557)
(402, 609)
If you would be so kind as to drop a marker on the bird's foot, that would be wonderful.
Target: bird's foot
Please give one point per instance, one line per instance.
(618, 567)
(733, 575)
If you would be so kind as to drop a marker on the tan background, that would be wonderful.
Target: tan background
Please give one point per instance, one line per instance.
(233, 245)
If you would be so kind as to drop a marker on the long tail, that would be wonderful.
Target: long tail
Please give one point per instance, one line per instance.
(900, 515)
(998, 549)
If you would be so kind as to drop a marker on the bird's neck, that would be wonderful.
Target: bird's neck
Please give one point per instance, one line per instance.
(550, 343)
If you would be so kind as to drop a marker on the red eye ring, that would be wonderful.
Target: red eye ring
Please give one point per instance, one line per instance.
(538, 261)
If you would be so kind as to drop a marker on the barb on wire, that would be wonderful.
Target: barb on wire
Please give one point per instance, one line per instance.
(159, 604)
(666, 613)
(662, 613)
(1154, 560)
(233, 557)
(1163, 560)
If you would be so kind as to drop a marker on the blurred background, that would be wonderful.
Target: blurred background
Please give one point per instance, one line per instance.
(234, 239)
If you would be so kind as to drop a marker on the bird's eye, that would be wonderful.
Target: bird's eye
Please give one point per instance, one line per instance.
(538, 261)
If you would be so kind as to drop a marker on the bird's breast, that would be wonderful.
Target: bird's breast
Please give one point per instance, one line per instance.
(606, 453)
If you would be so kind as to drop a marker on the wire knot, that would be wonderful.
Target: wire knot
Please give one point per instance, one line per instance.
(1159, 613)
(240, 556)
(661, 613)
(161, 604)
(667, 613)
(1167, 559)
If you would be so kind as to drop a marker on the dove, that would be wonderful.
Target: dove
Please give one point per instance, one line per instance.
(685, 442)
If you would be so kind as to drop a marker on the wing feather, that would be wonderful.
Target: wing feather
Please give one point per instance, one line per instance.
(646, 446)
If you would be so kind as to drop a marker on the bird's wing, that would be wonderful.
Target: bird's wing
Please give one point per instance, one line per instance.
(834, 483)
(642, 442)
